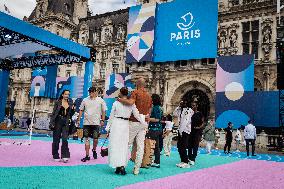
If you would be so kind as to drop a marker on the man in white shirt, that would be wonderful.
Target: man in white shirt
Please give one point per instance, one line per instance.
(184, 130)
(250, 137)
(94, 109)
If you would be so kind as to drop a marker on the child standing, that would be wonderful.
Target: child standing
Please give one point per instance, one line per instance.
(209, 134)
(238, 138)
(168, 135)
(217, 137)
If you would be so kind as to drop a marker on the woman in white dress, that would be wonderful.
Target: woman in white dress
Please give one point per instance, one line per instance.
(118, 127)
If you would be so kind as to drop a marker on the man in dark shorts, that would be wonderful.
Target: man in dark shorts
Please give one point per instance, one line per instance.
(94, 109)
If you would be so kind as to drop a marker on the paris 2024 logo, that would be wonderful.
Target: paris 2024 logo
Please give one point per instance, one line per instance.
(184, 36)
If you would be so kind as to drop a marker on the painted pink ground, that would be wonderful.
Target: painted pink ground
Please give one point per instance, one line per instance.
(254, 174)
(39, 154)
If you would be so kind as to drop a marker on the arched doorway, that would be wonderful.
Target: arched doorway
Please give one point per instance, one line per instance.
(201, 98)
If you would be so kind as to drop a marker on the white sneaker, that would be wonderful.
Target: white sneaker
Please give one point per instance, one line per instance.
(191, 162)
(65, 160)
(136, 171)
(179, 164)
(185, 165)
(237, 150)
(56, 160)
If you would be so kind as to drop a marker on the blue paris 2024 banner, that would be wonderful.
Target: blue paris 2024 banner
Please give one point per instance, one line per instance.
(186, 29)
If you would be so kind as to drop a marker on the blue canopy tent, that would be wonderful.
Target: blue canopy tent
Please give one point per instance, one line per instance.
(21, 46)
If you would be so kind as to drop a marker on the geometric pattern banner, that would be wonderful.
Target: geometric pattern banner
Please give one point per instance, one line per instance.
(40, 79)
(235, 75)
(234, 90)
(236, 100)
(114, 82)
(140, 37)
(262, 107)
(74, 84)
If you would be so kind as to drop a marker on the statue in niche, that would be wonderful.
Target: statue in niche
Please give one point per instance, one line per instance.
(266, 42)
(40, 11)
(96, 38)
(233, 39)
(120, 33)
(266, 35)
(84, 38)
(222, 40)
(107, 34)
(73, 37)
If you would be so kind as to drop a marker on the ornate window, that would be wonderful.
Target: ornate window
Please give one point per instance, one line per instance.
(103, 71)
(115, 68)
(250, 35)
(235, 2)
(104, 54)
(116, 52)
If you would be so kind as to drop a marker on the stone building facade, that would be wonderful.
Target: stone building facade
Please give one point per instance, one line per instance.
(244, 26)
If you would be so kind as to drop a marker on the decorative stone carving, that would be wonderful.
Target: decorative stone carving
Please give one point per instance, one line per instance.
(107, 34)
(96, 37)
(120, 33)
(74, 37)
(266, 38)
(84, 34)
(40, 10)
(222, 39)
(233, 38)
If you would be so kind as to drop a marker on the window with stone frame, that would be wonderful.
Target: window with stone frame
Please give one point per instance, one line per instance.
(79, 70)
(103, 71)
(280, 28)
(116, 52)
(249, 1)
(67, 7)
(115, 68)
(127, 69)
(68, 73)
(250, 35)
(104, 54)
(208, 61)
(235, 2)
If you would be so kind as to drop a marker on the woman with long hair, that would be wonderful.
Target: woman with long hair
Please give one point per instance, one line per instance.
(155, 127)
(59, 124)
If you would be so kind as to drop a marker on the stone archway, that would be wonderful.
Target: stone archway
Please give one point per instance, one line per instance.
(190, 88)
(201, 98)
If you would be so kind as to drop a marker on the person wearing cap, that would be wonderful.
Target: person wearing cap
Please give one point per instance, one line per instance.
(94, 109)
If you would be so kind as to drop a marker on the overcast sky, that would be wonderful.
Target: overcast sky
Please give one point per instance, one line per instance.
(21, 8)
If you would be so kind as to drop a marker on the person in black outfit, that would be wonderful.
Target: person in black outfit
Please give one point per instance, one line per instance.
(197, 126)
(229, 137)
(28, 122)
(59, 124)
